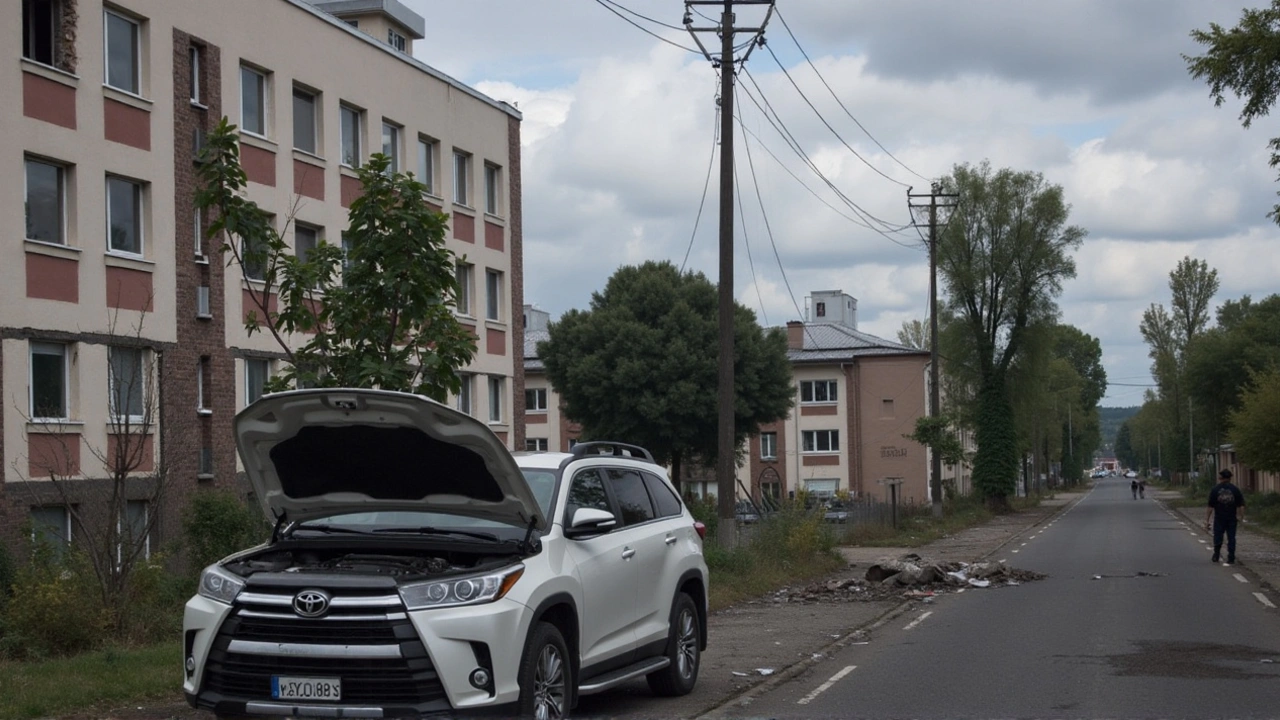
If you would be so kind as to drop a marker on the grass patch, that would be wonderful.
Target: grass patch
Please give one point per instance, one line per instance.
(917, 526)
(102, 678)
(789, 547)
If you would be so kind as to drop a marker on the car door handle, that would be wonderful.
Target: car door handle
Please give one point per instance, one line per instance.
(671, 539)
(628, 553)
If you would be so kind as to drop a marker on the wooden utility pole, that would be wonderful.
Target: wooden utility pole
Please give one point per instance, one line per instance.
(726, 450)
(935, 395)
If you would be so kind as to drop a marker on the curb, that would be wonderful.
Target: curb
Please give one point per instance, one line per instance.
(799, 667)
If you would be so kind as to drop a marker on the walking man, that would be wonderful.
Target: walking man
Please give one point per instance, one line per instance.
(1226, 507)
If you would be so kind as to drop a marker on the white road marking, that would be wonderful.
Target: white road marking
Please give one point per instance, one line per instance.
(1263, 599)
(912, 625)
(1241, 578)
(1204, 542)
(826, 685)
(1015, 551)
(1023, 545)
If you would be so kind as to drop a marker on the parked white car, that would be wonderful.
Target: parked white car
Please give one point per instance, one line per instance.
(418, 567)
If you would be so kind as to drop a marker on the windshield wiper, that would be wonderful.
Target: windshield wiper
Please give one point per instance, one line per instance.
(426, 530)
(335, 529)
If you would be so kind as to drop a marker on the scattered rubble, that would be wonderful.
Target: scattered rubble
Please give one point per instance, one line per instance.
(910, 577)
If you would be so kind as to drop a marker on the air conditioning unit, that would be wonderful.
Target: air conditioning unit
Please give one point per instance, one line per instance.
(206, 461)
(202, 303)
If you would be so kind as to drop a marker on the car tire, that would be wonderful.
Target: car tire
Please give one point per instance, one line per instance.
(546, 675)
(683, 650)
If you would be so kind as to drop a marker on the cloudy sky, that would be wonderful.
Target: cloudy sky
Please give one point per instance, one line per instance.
(619, 129)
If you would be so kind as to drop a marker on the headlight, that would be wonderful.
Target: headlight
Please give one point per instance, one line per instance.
(220, 585)
(474, 590)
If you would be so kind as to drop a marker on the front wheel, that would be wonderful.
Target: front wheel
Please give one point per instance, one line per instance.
(683, 651)
(546, 677)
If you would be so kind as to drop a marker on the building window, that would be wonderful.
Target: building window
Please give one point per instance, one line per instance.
(492, 174)
(768, 446)
(256, 373)
(193, 61)
(40, 30)
(820, 309)
(391, 146)
(305, 238)
(197, 229)
(496, 385)
(253, 258)
(126, 384)
(51, 527)
(535, 400)
(45, 201)
(463, 272)
(820, 441)
(133, 530)
(396, 40)
(464, 393)
(48, 381)
(535, 444)
(493, 295)
(124, 216)
(253, 101)
(304, 121)
(427, 164)
(461, 177)
(818, 391)
(349, 120)
(122, 52)
(202, 385)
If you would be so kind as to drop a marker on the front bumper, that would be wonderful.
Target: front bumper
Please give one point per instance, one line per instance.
(392, 663)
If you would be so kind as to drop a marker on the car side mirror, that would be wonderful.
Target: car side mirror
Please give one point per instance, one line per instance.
(588, 521)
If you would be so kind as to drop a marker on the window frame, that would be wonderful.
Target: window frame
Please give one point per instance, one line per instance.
(464, 275)
(249, 362)
(35, 526)
(492, 191)
(809, 444)
(32, 350)
(461, 178)
(535, 407)
(120, 522)
(493, 295)
(314, 98)
(356, 116)
(29, 34)
(198, 229)
(61, 175)
(140, 364)
(194, 52)
(139, 206)
(497, 389)
(264, 93)
(317, 235)
(392, 135)
(397, 41)
(772, 453)
(136, 43)
(203, 366)
(831, 389)
(465, 397)
(539, 444)
(427, 149)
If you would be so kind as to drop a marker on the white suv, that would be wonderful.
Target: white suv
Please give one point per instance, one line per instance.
(417, 567)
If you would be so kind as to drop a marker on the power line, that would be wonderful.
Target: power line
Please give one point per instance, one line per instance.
(715, 141)
(604, 4)
(841, 104)
(746, 241)
(628, 10)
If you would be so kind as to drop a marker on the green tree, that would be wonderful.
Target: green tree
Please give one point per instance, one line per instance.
(1125, 452)
(1245, 61)
(1255, 427)
(1220, 360)
(1002, 258)
(376, 312)
(640, 365)
(915, 333)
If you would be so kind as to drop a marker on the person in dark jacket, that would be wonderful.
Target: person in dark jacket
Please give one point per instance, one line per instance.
(1226, 508)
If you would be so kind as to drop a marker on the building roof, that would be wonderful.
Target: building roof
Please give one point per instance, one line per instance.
(405, 17)
(832, 342)
(531, 340)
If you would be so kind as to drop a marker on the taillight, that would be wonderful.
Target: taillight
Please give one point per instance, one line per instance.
(701, 529)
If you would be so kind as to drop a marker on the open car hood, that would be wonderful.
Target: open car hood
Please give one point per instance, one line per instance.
(313, 453)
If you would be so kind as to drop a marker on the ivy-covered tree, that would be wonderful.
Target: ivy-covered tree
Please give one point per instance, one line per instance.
(1002, 258)
(375, 312)
(641, 364)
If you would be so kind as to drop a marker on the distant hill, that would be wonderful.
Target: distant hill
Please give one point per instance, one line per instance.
(1110, 420)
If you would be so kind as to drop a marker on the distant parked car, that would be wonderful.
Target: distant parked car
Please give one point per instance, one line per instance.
(1131, 474)
(836, 512)
(746, 513)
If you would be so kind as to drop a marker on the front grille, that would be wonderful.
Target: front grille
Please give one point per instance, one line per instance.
(356, 618)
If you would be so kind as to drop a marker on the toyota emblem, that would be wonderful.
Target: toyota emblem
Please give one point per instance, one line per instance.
(311, 603)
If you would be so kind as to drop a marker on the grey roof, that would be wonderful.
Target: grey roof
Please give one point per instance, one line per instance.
(531, 340)
(404, 57)
(830, 342)
(407, 18)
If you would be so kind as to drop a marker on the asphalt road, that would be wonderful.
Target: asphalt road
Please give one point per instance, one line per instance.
(1133, 620)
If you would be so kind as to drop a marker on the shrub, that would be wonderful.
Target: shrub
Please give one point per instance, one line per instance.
(217, 523)
(706, 511)
(55, 609)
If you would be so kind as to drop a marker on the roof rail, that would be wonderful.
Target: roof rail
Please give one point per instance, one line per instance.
(598, 448)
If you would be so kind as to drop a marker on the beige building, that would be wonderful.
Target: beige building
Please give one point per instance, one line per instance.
(111, 304)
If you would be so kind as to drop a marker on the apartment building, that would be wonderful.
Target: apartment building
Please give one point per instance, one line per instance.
(112, 282)
(545, 425)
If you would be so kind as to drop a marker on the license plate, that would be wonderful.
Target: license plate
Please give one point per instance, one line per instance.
(300, 688)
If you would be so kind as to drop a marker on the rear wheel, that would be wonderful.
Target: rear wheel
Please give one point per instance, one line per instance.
(546, 677)
(679, 677)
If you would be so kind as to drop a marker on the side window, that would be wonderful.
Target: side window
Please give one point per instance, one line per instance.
(664, 497)
(587, 490)
(633, 499)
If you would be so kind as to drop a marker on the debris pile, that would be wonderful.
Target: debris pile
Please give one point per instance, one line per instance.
(910, 576)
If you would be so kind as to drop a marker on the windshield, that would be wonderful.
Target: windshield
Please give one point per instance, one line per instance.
(541, 482)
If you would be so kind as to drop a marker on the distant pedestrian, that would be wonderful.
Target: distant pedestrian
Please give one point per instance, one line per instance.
(1226, 508)
(1133, 488)
(1142, 488)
